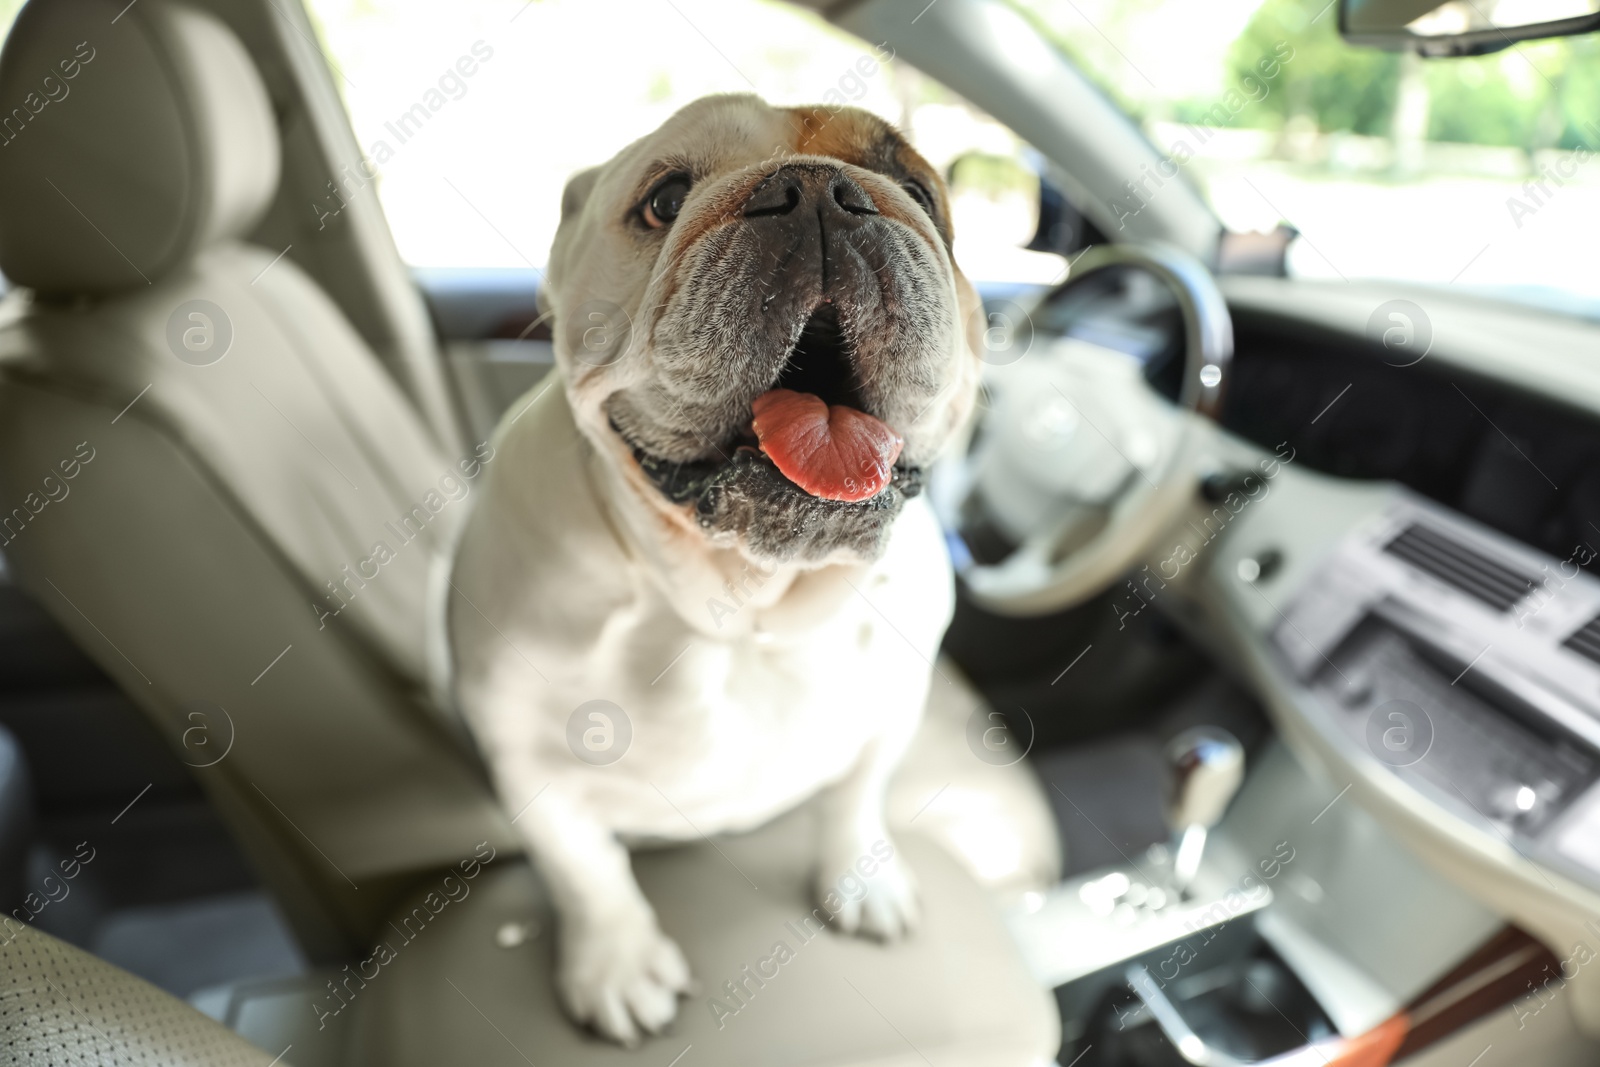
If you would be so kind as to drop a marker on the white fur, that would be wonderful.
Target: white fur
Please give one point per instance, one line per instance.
(570, 586)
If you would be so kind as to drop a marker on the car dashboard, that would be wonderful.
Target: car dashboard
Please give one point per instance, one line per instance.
(1413, 597)
(1523, 464)
(1412, 594)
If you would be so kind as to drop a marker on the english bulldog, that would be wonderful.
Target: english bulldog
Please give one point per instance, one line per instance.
(709, 520)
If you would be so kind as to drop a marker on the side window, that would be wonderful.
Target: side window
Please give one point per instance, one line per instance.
(473, 114)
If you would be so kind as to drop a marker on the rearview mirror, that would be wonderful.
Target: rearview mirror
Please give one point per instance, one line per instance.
(1462, 27)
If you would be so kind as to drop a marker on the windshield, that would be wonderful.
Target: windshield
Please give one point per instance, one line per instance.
(473, 179)
(1474, 172)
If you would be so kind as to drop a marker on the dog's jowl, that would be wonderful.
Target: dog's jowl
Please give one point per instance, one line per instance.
(762, 341)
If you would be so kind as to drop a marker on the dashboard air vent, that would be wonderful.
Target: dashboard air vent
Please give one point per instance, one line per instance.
(1586, 641)
(1460, 565)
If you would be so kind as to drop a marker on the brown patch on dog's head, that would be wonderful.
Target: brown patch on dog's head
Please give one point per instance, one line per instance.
(862, 139)
(806, 248)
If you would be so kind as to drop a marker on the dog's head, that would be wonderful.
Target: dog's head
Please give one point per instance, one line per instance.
(760, 323)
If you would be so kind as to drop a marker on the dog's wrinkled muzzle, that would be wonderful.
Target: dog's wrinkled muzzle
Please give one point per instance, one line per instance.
(802, 335)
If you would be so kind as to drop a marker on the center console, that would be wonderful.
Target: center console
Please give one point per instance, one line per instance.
(1198, 951)
(1308, 933)
(1468, 667)
(1439, 685)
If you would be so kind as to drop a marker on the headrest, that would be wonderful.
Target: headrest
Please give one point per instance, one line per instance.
(131, 136)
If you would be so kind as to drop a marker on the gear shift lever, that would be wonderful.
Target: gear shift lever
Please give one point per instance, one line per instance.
(1205, 767)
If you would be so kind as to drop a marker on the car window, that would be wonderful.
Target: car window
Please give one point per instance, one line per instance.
(474, 114)
(1468, 171)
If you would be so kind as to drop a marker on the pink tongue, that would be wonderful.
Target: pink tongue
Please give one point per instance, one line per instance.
(836, 453)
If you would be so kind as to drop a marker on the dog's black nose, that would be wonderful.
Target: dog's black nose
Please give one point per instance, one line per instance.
(805, 186)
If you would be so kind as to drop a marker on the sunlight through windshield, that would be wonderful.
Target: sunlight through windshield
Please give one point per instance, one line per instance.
(1477, 172)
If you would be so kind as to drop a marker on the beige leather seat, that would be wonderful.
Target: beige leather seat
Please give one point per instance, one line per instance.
(65, 1008)
(193, 497)
(209, 480)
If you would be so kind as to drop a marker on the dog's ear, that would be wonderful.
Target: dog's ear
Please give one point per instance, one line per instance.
(576, 194)
(573, 199)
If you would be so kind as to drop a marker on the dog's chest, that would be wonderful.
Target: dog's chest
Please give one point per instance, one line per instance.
(736, 731)
(737, 722)
(736, 708)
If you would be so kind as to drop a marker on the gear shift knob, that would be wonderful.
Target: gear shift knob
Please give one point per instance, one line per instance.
(1205, 767)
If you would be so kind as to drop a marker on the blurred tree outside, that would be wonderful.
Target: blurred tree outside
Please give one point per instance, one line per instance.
(1473, 172)
(1328, 83)
(1536, 95)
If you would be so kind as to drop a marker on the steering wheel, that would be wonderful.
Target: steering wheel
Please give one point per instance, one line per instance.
(1079, 464)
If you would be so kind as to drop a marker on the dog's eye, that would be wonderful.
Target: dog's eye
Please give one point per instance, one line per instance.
(665, 201)
(918, 192)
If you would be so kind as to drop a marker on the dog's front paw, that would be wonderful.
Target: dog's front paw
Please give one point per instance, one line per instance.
(622, 980)
(868, 894)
